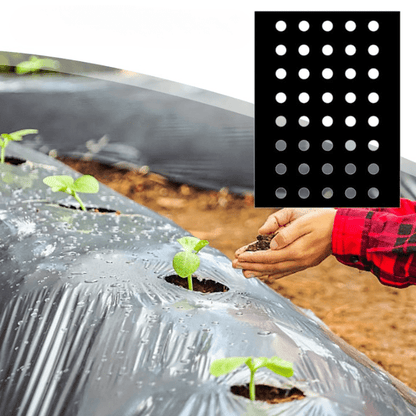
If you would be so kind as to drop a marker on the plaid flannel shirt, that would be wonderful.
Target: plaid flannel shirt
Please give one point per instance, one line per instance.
(380, 240)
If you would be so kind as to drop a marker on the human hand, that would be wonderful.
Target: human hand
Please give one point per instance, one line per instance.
(303, 240)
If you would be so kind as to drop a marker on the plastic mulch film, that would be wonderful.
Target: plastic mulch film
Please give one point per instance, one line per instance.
(90, 326)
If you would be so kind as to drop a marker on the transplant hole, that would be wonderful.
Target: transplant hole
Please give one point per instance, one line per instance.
(281, 121)
(304, 73)
(327, 121)
(281, 193)
(373, 73)
(350, 145)
(373, 145)
(304, 145)
(327, 97)
(327, 50)
(373, 193)
(10, 160)
(373, 169)
(304, 169)
(92, 209)
(327, 145)
(327, 25)
(304, 193)
(327, 169)
(281, 145)
(350, 73)
(203, 285)
(373, 121)
(350, 121)
(327, 73)
(280, 49)
(281, 26)
(304, 25)
(303, 97)
(281, 169)
(350, 26)
(281, 97)
(303, 50)
(373, 50)
(350, 168)
(327, 193)
(304, 121)
(373, 97)
(350, 193)
(350, 98)
(373, 25)
(281, 73)
(270, 394)
(350, 50)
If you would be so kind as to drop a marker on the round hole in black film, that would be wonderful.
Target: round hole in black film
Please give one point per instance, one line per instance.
(373, 73)
(327, 50)
(303, 50)
(327, 73)
(280, 50)
(281, 121)
(304, 193)
(373, 145)
(373, 97)
(304, 145)
(327, 121)
(350, 26)
(373, 121)
(281, 169)
(281, 73)
(304, 26)
(350, 193)
(373, 25)
(350, 50)
(350, 145)
(327, 145)
(327, 97)
(304, 73)
(350, 121)
(281, 193)
(304, 169)
(373, 169)
(280, 97)
(327, 168)
(304, 97)
(327, 193)
(350, 169)
(350, 97)
(373, 50)
(303, 121)
(281, 26)
(373, 193)
(350, 73)
(327, 25)
(281, 145)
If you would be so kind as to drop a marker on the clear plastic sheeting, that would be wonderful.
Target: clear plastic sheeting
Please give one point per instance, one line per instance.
(89, 326)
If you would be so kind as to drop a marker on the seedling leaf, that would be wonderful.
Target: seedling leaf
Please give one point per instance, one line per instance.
(275, 364)
(86, 184)
(59, 182)
(224, 366)
(185, 263)
(17, 135)
(188, 243)
(201, 245)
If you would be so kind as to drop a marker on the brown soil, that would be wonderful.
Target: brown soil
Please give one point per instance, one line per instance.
(262, 243)
(379, 321)
(203, 285)
(270, 394)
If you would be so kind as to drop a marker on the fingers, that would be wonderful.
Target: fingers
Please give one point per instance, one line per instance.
(275, 221)
(260, 269)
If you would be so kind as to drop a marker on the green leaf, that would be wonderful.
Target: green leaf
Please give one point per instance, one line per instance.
(188, 243)
(59, 182)
(201, 244)
(86, 184)
(275, 364)
(17, 135)
(185, 263)
(226, 365)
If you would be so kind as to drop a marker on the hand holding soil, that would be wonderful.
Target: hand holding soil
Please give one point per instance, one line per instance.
(301, 238)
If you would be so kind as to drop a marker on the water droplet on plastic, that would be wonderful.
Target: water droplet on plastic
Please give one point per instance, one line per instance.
(264, 333)
(91, 281)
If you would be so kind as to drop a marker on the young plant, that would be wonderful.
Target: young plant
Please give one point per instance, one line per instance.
(224, 366)
(187, 262)
(85, 184)
(12, 137)
(35, 64)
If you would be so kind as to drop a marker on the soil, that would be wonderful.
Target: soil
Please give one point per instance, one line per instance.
(14, 160)
(92, 209)
(203, 285)
(379, 321)
(270, 394)
(262, 243)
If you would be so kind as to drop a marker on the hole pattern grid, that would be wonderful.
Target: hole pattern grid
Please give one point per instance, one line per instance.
(333, 83)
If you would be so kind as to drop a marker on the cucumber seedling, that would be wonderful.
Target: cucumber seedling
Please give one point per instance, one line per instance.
(13, 137)
(61, 183)
(224, 366)
(187, 262)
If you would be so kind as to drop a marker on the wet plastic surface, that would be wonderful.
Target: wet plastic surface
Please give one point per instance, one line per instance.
(88, 325)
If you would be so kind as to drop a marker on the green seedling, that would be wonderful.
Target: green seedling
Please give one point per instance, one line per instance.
(13, 137)
(224, 366)
(187, 262)
(85, 184)
(35, 64)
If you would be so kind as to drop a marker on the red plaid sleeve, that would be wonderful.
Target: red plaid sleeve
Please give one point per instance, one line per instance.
(380, 240)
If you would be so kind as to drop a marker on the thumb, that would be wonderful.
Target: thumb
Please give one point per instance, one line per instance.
(287, 235)
(276, 220)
